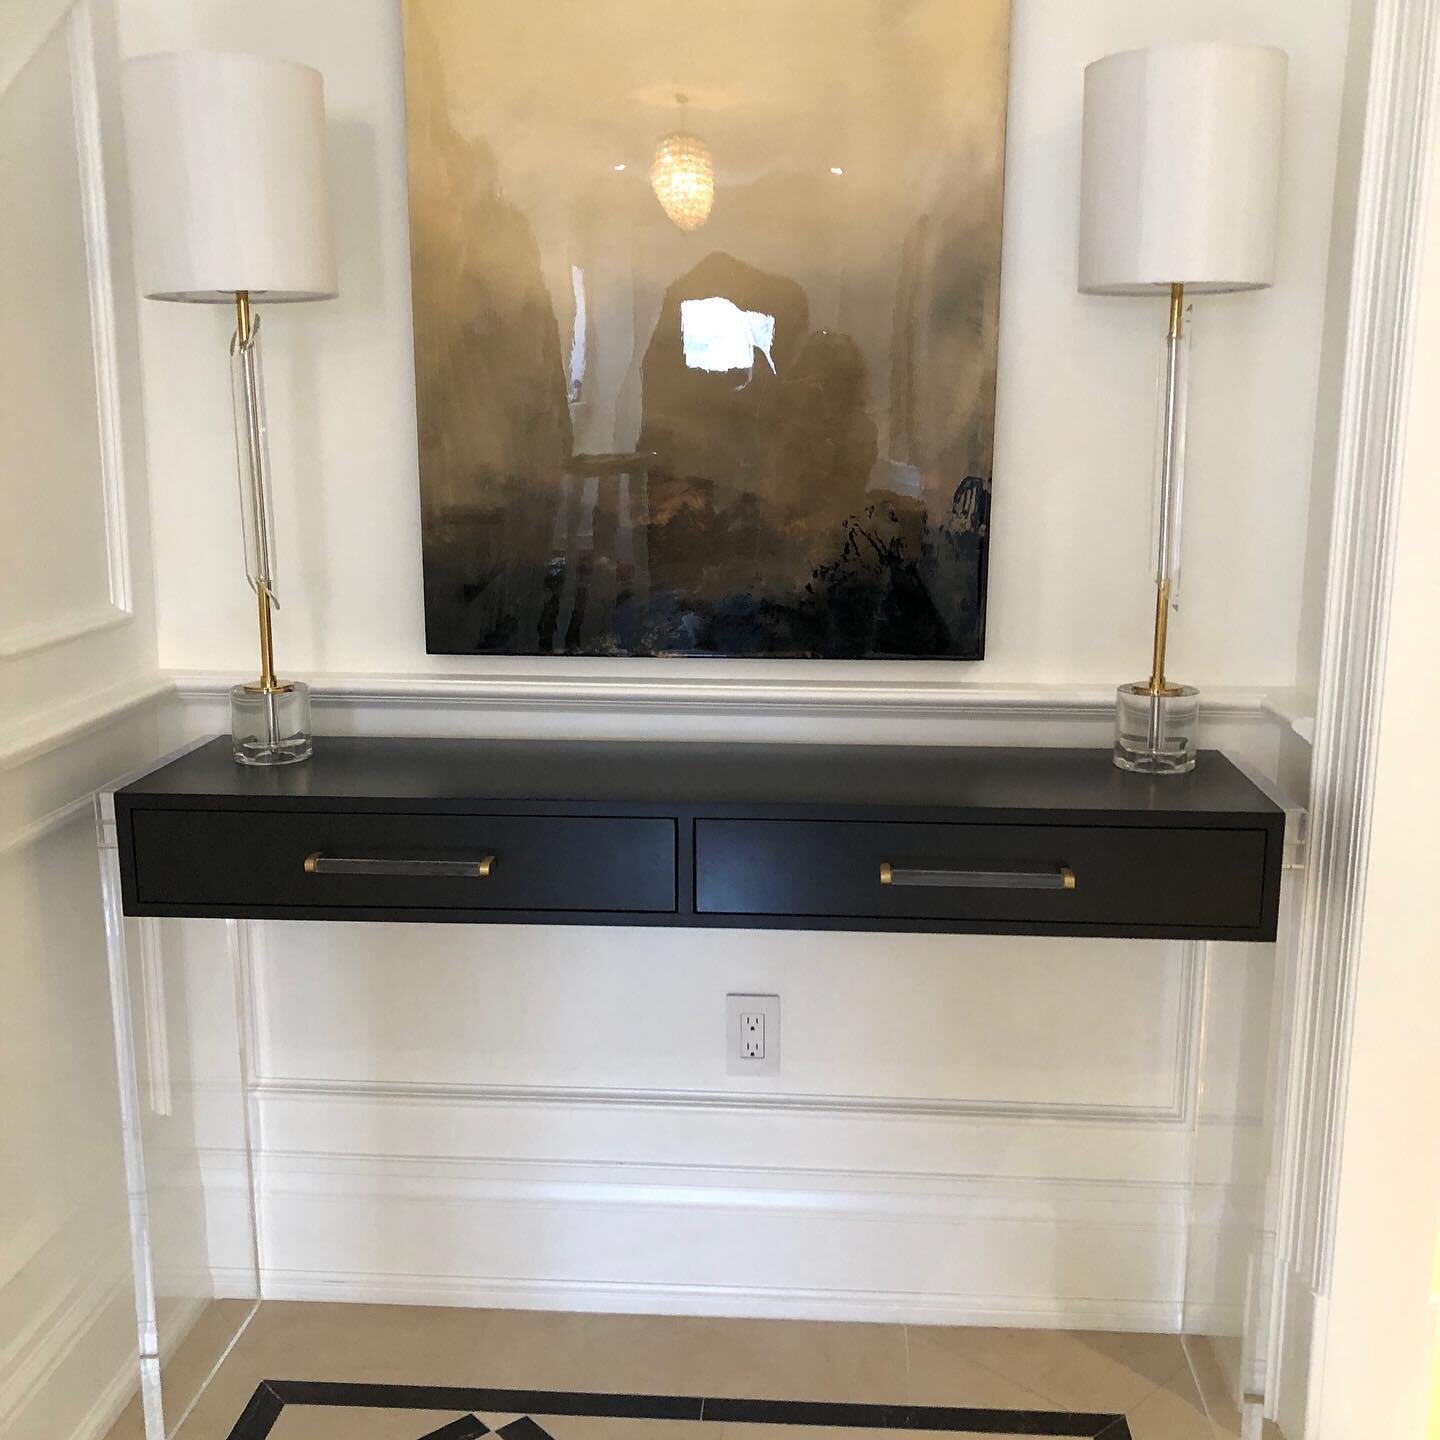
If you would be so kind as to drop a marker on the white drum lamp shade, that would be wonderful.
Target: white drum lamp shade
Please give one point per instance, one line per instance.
(1181, 172)
(228, 178)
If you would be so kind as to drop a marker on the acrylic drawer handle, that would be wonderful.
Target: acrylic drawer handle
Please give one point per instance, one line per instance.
(1062, 877)
(319, 864)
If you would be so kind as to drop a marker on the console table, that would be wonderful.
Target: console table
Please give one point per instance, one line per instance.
(819, 837)
(816, 837)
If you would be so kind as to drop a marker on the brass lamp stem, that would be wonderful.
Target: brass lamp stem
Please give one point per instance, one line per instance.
(268, 684)
(1164, 559)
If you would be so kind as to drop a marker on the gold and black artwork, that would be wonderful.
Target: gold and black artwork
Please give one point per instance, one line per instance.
(706, 302)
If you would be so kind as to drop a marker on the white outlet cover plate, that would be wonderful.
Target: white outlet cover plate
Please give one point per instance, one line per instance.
(735, 1007)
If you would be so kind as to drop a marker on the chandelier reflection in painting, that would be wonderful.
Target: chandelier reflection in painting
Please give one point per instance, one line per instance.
(768, 435)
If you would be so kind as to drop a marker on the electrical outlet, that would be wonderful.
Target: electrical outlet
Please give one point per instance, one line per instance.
(752, 1034)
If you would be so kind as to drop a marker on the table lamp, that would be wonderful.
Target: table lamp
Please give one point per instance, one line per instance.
(1181, 176)
(227, 174)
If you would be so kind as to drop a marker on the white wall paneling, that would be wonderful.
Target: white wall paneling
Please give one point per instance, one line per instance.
(463, 1129)
(66, 1303)
(80, 703)
(65, 568)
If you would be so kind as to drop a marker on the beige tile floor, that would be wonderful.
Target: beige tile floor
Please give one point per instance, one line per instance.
(1145, 1377)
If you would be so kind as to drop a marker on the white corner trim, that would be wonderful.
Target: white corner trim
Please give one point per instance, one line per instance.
(1397, 158)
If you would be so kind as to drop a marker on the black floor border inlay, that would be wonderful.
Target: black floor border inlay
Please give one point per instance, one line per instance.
(271, 1397)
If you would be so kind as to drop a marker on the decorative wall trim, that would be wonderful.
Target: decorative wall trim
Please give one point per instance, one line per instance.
(64, 725)
(1178, 1111)
(49, 773)
(26, 637)
(383, 1093)
(1397, 157)
(725, 695)
(89, 146)
(45, 825)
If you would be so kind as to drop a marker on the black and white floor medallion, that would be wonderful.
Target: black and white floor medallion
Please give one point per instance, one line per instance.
(279, 1409)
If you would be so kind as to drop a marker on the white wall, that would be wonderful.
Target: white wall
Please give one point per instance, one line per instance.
(445, 1113)
(1069, 602)
(77, 678)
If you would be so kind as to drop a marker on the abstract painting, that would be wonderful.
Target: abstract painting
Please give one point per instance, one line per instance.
(706, 305)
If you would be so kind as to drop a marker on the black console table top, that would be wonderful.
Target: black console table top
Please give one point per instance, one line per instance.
(1013, 840)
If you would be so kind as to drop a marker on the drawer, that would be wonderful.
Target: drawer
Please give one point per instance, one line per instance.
(274, 861)
(1209, 880)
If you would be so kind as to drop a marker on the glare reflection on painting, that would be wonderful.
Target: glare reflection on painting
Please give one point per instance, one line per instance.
(705, 304)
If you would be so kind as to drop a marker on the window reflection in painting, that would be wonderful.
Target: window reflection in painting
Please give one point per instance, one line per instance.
(769, 434)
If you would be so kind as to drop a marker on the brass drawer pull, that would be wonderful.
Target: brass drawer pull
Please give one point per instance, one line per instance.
(1062, 877)
(318, 864)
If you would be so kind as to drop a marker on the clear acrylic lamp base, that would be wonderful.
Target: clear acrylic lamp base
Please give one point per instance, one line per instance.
(1156, 734)
(271, 727)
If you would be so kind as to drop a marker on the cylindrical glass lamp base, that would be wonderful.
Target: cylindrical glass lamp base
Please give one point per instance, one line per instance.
(1156, 734)
(271, 727)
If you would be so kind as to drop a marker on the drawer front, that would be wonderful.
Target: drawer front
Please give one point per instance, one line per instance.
(1009, 874)
(273, 861)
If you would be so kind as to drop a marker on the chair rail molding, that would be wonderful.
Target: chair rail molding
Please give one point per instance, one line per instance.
(1398, 144)
(673, 702)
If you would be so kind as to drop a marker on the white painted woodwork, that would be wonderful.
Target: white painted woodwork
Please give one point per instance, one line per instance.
(1363, 1171)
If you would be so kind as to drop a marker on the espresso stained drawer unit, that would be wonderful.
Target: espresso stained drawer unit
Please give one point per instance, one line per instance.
(258, 863)
(987, 876)
(1012, 841)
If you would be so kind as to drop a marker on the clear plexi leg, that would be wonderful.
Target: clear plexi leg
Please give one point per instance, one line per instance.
(176, 991)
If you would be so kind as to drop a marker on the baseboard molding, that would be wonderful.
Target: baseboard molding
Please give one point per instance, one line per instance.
(741, 1302)
(31, 1362)
(1298, 1367)
(921, 1249)
(36, 1379)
